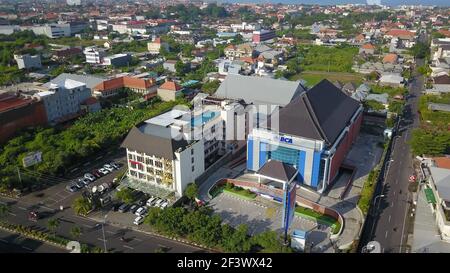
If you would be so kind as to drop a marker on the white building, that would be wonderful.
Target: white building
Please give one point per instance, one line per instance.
(439, 196)
(94, 55)
(74, 2)
(62, 101)
(27, 61)
(52, 30)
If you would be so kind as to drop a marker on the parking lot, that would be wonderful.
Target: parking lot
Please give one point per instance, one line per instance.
(261, 215)
(60, 194)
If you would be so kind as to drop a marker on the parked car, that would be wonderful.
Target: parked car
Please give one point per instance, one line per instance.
(159, 202)
(108, 167)
(124, 208)
(116, 206)
(89, 176)
(150, 201)
(139, 220)
(141, 202)
(85, 181)
(79, 185)
(141, 211)
(72, 188)
(96, 173)
(103, 171)
(114, 165)
(164, 205)
(134, 208)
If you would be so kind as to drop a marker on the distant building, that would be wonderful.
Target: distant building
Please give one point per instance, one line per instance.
(263, 35)
(63, 101)
(169, 91)
(94, 55)
(27, 61)
(89, 80)
(439, 196)
(391, 79)
(74, 2)
(17, 112)
(368, 49)
(112, 87)
(155, 46)
(117, 60)
(390, 58)
(170, 65)
(52, 30)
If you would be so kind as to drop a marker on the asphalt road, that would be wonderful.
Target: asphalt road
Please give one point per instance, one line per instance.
(92, 232)
(392, 204)
(14, 243)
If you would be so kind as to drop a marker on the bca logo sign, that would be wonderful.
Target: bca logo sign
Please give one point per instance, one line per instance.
(74, 247)
(286, 140)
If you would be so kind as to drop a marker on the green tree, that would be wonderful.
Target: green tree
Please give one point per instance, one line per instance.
(236, 241)
(81, 206)
(76, 232)
(125, 195)
(182, 68)
(270, 242)
(4, 209)
(210, 87)
(191, 191)
(53, 225)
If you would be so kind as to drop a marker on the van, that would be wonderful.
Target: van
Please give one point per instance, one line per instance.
(150, 201)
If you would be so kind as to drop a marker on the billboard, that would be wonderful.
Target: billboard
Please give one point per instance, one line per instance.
(289, 205)
(32, 159)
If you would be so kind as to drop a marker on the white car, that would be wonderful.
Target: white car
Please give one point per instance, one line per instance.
(139, 220)
(108, 167)
(150, 201)
(103, 171)
(159, 202)
(141, 211)
(89, 176)
(164, 205)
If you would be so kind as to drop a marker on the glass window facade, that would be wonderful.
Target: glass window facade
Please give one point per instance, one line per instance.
(283, 154)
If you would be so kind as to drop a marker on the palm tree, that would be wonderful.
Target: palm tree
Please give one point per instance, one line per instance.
(4, 209)
(76, 232)
(53, 225)
(82, 206)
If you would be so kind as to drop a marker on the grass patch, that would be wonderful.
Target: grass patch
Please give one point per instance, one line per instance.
(239, 191)
(314, 77)
(319, 218)
(367, 191)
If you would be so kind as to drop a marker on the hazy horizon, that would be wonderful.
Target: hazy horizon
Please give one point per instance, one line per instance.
(331, 2)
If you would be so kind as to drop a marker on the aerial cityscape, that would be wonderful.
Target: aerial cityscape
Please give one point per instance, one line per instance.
(187, 126)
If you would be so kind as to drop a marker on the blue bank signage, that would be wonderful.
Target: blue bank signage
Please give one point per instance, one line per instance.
(286, 139)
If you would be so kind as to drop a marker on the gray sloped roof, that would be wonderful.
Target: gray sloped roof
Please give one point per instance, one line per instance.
(158, 145)
(320, 113)
(441, 178)
(89, 80)
(259, 90)
(278, 170)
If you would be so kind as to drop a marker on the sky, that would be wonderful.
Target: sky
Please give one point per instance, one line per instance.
(329, 2)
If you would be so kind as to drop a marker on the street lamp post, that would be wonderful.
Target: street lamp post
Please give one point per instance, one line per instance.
(103, 231)
(375, 201)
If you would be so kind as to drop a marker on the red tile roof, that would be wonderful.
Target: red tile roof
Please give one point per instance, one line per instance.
(122, 82)
(444, 32)
(170, 85)
(368, 46)
(390, 58)
(400, 32)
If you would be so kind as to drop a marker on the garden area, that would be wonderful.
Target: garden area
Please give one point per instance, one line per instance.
(314, 77)
(368, 190)
(201, 227)
(238, 191)
(319, 218)
(330, 59)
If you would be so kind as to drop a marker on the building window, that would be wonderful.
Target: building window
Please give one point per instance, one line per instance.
(193, 168)
(149, 161)
(140, 159)
(192, 151)
(140, 167)
(284, 154)
(130, 156)
(192, 160)
(158, 164)
(133, 165)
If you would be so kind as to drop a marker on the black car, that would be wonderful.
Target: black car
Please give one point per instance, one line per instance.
(142, 202)
(116, 206)
(124, 208)
(134, 208)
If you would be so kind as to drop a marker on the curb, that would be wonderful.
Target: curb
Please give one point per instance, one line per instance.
(33, 237)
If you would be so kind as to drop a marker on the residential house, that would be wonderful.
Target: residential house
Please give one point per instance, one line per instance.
(169, 91)
(367, 49)
(112, 87)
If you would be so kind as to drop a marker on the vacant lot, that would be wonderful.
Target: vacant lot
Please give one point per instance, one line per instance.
(313, 77)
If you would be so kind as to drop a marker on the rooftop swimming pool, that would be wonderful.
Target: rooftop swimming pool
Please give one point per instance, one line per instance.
(204, 118)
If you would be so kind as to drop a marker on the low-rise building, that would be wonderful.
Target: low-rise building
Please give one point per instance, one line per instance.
(94, 55)
(112, 87)
(368, 49)
(18, 112)
(438, 195)
(155, 46)
(169, 91)
(263, 35)
(27, 61)
(170, 65)
(117, 60)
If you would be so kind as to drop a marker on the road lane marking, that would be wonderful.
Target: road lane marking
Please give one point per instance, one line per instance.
(76, 169)
(86, 164)
(4, 241)
(137, 239)
(392, 204)
(27, 248)
(385, 235)
(99, 157)
(13, 214)
(394, 193)
(88, 226)
(110, 232)
(100, 239)
(389, 219)
(129, 247)
(22, 208)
